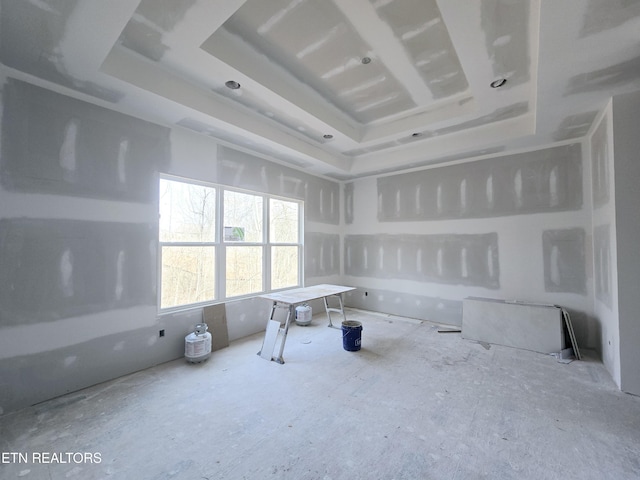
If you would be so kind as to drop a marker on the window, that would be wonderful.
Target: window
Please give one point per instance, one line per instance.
(187, 243)
(244, 239)
(284, 237)
(218, 243)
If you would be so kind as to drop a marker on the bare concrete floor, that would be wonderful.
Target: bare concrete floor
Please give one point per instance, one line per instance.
(412, 404)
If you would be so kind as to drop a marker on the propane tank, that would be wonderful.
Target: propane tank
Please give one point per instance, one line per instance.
(303, 315)
(197, 345)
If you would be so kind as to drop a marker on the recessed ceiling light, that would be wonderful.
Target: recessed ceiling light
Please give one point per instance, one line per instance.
(416, 134)
(366, 60)
(498, 83)
(327, 136)
(232, 84)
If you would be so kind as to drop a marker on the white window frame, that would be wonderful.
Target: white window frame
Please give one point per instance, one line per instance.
(221, 245)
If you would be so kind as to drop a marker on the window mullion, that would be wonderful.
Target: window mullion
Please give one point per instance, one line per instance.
(301, 244)
(221, 260)
(266, 239)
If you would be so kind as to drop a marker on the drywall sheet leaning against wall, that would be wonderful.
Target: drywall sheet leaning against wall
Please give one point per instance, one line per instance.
(462, 259)
(215, 316)
(548, 180)
(59, 145)
(539, 328)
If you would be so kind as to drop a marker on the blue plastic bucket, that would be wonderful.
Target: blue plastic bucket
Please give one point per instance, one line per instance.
(351, 335)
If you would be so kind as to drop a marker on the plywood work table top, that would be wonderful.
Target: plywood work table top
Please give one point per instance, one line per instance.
(306, 294)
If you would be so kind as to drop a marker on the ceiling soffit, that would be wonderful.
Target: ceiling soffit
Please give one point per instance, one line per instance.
(351, 77)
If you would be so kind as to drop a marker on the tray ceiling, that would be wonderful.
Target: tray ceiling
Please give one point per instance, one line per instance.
(344, 88)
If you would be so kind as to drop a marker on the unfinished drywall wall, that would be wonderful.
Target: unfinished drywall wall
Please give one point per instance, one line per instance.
(604, 242)
(348, 203)
(321, 254)
(454, 258)
(78, 240)
(514, 227)
(59, 145)
(55, 268)
(626, 171)
(565, 260)
(600, 164)
(321, 196)
(28, 377)
(603, 274)
(78, 244)
(406, 304)
(548, 180)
